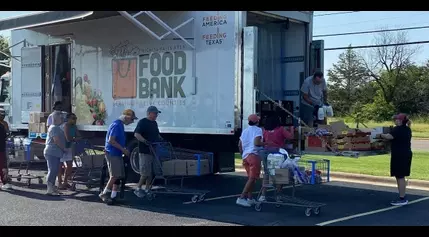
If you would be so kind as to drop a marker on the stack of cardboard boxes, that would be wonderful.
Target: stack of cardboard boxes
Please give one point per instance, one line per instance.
(37, 123)
(179, 167)
(342, 138)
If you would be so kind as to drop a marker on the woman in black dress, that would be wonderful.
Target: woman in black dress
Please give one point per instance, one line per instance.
(401, 154)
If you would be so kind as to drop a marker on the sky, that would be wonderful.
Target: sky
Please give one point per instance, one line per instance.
(357, 21)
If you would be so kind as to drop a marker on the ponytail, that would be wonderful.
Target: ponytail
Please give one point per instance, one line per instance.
(408, 123)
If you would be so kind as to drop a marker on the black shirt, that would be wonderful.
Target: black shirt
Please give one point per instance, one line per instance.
(3, 137)
(401, 143)
(149, 131)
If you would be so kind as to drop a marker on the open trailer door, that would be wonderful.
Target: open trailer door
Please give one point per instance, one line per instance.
(31, 81)
(250, 72)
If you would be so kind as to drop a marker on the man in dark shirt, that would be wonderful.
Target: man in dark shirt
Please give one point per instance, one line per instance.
(3, 160)
(146, 133)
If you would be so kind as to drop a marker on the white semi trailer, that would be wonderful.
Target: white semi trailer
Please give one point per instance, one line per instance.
(202, 69)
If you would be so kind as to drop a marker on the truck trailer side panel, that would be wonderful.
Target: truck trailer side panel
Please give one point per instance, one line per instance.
(115, 66)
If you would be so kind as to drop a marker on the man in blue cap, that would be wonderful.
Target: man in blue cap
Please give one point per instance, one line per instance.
(146, 133)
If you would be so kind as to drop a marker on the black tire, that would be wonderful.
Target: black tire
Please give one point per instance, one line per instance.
(133, 170)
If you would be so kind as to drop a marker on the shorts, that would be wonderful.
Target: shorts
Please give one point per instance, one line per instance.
(115, 165)
(67, 156)
(145, 164)
(252, 165)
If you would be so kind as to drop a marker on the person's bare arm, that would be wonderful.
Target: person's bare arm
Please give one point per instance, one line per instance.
(386, 136)
(58, 143)
(67, 133)
(258, 141)
(139, 137)
(325, 96)
(114, 143)
(307, 99)
(240, 147)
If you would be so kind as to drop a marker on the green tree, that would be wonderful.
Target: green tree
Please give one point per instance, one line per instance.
(387, 62)
(346, 82)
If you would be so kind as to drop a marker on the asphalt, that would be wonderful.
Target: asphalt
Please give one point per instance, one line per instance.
(29, 206)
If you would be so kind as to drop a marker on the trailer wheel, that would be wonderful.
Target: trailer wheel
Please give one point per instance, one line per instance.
(258, 207)
(316, 211)
(308, 212)
(134, 156)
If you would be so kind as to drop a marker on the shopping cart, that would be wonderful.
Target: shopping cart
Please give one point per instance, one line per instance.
(306, 172)
(24, 152)
(166, 161)
(88, 164)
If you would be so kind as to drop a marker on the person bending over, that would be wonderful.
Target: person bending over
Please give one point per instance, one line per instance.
(274, 139)
(114, 149)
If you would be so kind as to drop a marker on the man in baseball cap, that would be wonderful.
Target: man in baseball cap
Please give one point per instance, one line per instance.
(130, 114)
(249, 146)
(114, 149)
(146, 132)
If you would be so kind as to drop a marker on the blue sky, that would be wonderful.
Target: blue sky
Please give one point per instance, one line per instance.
(358, 21)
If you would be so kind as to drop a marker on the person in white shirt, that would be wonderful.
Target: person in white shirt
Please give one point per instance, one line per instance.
(249, 146)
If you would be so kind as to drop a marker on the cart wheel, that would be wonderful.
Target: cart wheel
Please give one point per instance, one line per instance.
(73, 187)
(308, 212)
(40, 181)
(201, 198)
(316, 211)
(194, 199)
(28, 182)
(258, 207)
(149, 196)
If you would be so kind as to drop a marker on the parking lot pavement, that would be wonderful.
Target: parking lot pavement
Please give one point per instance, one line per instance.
(343, 202)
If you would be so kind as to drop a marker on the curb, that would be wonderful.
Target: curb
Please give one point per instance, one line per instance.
(358, 178)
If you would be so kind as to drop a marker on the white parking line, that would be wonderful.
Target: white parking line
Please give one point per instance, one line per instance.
(237, 195)
(369, 213)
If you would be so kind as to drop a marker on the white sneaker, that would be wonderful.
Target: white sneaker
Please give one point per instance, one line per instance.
(139, 193)
(251, 201)
(243, 202)
(262, 199)
(6, 187)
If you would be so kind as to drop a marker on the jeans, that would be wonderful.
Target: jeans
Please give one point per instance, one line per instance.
(53, 168)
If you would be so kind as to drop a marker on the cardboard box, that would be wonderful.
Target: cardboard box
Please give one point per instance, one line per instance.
(180, 168)
(38, 117)
(192, 166)
(365, 139)
(281, 176)
(361, 147)
(33, 127)
(168, 167)
(37, 127)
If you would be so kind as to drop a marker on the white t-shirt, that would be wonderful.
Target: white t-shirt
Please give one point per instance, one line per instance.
(247, 140)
